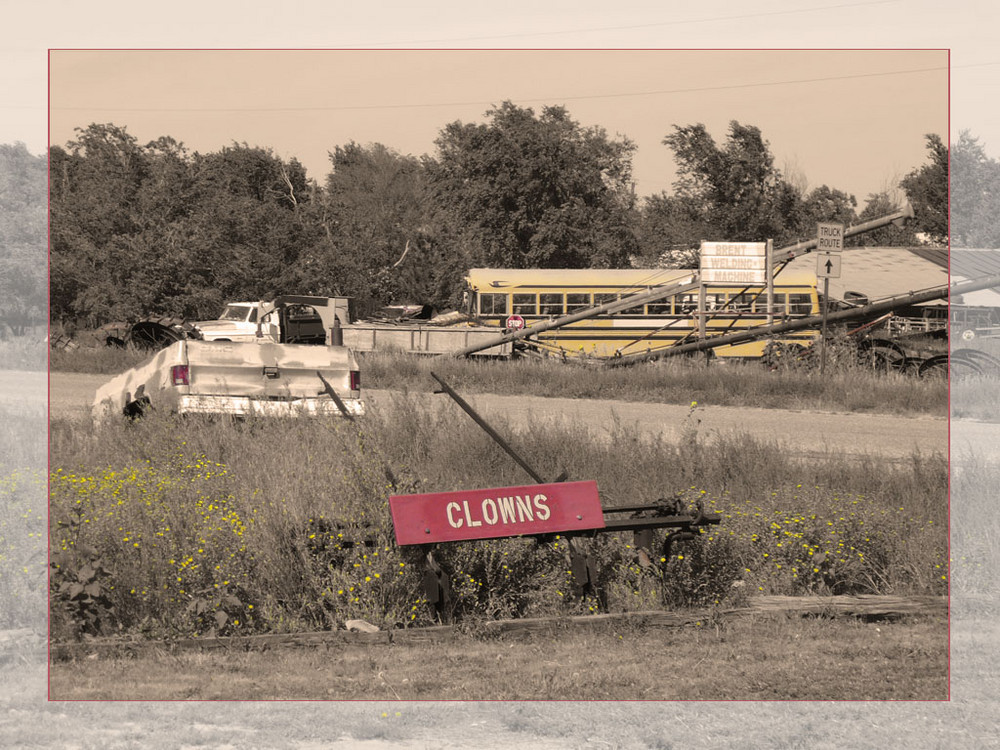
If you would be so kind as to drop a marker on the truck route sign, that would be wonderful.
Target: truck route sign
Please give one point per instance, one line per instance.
(829, 237)
(495, 513)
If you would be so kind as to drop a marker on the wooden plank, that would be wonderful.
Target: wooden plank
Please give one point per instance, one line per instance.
(869, 606)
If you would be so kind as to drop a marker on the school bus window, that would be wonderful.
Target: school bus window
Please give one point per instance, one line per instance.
(686, 303)
(760, 302)
(604, 299)
(799, 304)
(741, 302)
(525, 304)
(577, 302)
(492, 304)
(715, 301)
(636, 310)
(550, 304)
(662, 307)
(779, 304)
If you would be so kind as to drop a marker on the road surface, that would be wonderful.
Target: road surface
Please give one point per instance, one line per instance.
(803, 433)
(22, 390)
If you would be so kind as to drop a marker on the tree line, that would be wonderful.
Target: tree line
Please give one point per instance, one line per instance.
(22, 239)
(138, 230)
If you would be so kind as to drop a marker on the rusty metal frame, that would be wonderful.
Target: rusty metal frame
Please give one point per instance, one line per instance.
(642, 520)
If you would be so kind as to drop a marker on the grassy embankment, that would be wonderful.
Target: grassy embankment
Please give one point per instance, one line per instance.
(174, 527)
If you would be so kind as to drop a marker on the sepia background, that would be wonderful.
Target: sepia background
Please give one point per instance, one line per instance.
(967, 720)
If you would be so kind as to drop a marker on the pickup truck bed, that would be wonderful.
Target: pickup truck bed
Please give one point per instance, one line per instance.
(241, 379)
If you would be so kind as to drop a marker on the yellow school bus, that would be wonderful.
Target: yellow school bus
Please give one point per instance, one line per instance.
(507, 297)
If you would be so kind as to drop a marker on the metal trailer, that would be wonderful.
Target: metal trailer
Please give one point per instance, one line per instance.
(422, 339)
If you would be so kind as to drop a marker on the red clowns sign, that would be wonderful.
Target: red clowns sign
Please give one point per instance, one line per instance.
(495, 513)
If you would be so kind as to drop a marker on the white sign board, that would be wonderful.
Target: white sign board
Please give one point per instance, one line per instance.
(828, 265)
(831, 237)
(734, 262)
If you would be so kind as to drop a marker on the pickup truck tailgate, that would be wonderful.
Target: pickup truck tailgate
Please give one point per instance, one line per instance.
(266, 370)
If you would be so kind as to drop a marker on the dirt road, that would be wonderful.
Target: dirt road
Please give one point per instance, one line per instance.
(803, 433)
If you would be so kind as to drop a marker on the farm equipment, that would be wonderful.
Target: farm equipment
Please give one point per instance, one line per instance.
(918, 354)
(150, 334)
(541, 512)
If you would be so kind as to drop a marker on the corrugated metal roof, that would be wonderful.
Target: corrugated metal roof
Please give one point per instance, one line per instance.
(971, 264)
(879, 272)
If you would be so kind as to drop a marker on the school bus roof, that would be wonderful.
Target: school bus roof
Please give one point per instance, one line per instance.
(505, 279)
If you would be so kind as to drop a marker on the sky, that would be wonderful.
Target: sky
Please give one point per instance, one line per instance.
(855, 120)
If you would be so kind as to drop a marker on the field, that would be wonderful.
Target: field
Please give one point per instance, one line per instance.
(171, 528)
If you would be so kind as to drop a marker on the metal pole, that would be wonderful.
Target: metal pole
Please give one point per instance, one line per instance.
(702, 311)
(489, 430)
(769, 265)
(826, 311)
(898, 218)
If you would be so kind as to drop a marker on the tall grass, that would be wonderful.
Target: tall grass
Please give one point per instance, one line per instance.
(173, 526)
(102, 360)
(976, 544)
(22, 518)
(843, 387)
(976, 397)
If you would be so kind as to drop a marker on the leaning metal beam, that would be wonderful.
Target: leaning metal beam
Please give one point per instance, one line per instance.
(898, 218)
(670, 290)
(813, 321)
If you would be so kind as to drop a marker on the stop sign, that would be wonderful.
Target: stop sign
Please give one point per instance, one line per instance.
(515, 322)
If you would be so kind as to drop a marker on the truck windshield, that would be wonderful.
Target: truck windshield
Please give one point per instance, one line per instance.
(238, 312)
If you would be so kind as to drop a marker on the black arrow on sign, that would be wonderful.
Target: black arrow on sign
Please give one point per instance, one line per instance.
(829, 266)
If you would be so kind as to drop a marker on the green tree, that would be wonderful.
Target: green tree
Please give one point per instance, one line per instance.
(22, 238)
(249, 222)
(927, 190)
(152, 230)
(975, 195)
(878, 205)
(827, 204)
(670, 230)
(537, 191)
(741, 195)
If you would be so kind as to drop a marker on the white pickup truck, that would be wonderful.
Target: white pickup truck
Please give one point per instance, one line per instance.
(238, 378)
(292, 319)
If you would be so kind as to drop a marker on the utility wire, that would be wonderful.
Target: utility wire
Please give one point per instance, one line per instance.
(657, 92)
